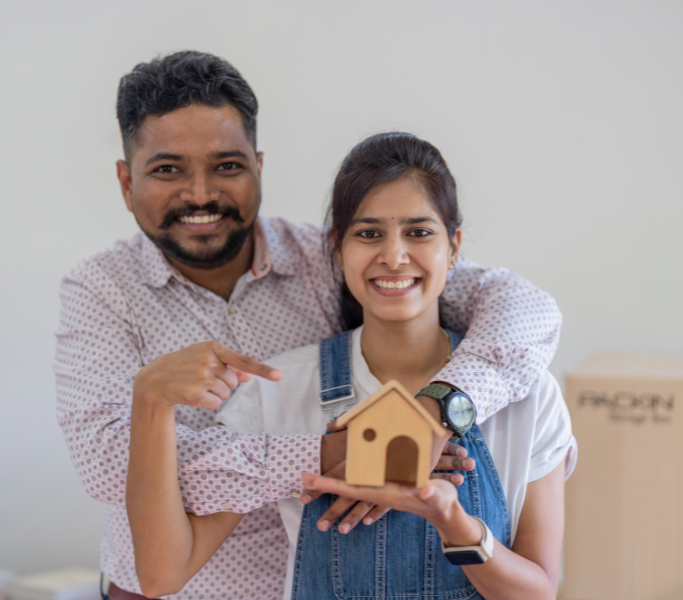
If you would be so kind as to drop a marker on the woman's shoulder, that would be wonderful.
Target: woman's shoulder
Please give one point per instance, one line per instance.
(302, 357)
(536, 429)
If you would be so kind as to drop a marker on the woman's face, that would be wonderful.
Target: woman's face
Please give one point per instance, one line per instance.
(396, 253)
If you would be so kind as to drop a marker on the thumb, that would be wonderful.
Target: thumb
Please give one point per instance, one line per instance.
(439, 494)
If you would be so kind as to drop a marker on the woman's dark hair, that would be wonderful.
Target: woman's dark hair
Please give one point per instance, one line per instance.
(377, 160)
(176, 81)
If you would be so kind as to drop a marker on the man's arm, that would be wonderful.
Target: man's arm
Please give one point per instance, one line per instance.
(512, 331)
(511, 327)
(97, 360)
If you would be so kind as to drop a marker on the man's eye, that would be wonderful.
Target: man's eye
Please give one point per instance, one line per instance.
(228, 166)
(166, 169)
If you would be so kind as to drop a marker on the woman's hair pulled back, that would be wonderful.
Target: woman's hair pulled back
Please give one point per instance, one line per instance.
(377, 160)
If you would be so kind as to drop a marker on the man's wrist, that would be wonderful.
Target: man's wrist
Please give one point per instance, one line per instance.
(431, 406)
(146, 407)
(332, 450)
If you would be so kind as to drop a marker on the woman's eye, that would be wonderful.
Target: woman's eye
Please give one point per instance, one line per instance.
(420, 232)
(368, 234)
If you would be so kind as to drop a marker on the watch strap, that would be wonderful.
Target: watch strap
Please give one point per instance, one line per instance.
(472, 555)
(438, 391)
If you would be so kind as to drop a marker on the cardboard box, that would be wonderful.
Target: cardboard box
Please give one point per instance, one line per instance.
(63, 584)
(624, 511)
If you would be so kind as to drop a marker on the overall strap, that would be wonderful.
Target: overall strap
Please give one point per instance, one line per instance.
(335, 371)
(453, 338)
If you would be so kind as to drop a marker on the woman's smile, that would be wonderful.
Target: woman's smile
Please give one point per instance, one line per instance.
(392, 285)
(396, 253)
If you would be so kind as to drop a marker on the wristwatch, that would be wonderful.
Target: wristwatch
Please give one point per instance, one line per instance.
(457, 410)
(471, 555)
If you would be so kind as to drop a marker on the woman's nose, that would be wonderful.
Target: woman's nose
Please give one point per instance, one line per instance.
(394, 253)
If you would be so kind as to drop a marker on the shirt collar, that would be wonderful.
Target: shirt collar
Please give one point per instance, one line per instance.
(157, 269)
(269, 254)
(270, 251)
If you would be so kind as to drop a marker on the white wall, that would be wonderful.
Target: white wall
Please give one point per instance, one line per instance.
(560, 120)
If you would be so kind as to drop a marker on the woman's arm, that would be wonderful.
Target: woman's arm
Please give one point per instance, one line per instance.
(170, 545)
(527, 572)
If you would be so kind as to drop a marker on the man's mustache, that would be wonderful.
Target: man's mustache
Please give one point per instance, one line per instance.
(212, 208)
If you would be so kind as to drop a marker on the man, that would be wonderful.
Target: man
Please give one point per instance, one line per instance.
(206, 292)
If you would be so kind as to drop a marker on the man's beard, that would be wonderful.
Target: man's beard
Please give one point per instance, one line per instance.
(207, 258)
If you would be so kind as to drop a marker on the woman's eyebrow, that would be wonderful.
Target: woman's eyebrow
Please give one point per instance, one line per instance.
(405, 221)
(418, 220)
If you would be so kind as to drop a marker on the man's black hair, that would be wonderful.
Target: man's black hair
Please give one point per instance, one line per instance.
(176, 81)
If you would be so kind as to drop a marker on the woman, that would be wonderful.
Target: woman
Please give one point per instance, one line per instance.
(394, 234)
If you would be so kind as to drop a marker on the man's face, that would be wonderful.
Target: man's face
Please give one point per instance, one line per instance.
(193, 183)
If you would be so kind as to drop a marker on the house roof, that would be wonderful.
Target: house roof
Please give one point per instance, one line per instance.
(392, 385)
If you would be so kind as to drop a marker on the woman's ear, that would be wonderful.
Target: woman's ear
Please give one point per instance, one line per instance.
(455, 246)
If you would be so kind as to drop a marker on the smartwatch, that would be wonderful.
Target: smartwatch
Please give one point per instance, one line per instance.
(457, 410)
(471, 555)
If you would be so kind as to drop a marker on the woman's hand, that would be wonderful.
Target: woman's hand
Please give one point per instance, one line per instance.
(453, 457)
(437, 502)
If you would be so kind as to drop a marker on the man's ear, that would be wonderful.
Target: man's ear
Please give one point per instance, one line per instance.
(259, 163)
(126, 182)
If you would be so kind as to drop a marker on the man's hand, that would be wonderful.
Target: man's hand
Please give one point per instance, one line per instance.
(332, 462)
(201, 375)
(453, 458)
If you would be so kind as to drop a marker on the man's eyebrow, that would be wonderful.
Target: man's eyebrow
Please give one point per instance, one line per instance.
(163, 156)
(410, 221)
(159, 156)
(228, 154)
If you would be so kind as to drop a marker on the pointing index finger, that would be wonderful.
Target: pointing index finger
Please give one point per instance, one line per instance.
(246, 364)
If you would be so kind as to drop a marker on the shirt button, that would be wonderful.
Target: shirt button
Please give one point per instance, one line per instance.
(295, 493)
(489, 410)
(231, 310)
(226, 506)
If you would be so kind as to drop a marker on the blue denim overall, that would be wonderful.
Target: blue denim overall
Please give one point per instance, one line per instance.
(399, 557)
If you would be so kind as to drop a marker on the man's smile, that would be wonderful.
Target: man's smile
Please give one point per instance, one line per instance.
(201, 219)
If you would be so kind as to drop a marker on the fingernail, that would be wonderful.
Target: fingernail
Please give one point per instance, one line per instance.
(368, 520)
(305, 498)
(345, 528)
(324, 526)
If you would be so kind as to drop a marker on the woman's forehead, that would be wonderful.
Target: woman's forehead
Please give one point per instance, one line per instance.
(399, 201)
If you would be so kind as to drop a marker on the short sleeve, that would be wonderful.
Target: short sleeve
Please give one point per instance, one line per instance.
(553, 438)
(243, 412)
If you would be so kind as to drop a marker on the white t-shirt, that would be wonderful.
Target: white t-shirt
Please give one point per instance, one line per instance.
(527, 439)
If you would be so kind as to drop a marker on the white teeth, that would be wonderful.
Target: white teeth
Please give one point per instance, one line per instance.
(394, 285)
(203, 219)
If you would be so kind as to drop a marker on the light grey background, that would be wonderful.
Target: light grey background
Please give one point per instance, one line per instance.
(560, 120)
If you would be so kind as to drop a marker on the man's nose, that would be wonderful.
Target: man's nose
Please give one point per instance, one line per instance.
(394, 253)
(199, 190)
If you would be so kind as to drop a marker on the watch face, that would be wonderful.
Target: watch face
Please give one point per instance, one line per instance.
(459, 410)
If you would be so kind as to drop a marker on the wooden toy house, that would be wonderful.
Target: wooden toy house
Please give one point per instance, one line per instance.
(389, 438)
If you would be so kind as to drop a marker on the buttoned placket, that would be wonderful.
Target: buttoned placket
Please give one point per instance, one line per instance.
(237, 322)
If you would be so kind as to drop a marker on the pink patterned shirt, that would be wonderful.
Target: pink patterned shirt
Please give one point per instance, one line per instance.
(127, 305)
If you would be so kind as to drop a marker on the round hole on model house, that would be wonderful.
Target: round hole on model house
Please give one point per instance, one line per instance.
(369, 434)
